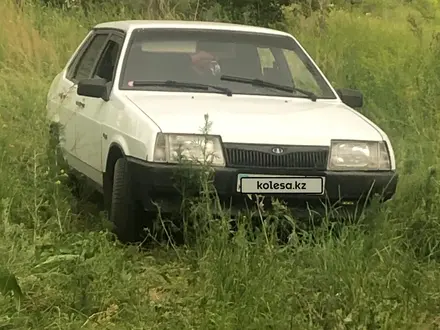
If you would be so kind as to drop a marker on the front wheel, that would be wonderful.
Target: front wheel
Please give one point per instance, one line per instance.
(124, 210)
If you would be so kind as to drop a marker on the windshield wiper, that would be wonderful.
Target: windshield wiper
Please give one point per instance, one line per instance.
(182, 84)
(263, 83)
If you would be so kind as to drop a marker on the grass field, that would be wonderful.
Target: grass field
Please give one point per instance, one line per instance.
(380, 273)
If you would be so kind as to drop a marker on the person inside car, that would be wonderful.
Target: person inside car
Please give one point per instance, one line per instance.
(204, 63)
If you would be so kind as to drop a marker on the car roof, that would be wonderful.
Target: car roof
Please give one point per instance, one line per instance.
(128, 26)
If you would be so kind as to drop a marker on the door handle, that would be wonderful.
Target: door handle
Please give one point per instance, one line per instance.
(80, 104)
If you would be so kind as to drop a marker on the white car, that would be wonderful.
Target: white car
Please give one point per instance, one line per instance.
(134, 92)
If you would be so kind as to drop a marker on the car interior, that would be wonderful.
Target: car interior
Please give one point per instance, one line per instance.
(106, 67)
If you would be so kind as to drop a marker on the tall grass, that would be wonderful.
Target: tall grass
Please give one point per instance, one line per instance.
(72, 275)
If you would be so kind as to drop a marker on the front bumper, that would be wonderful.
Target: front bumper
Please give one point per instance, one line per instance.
(155, 182)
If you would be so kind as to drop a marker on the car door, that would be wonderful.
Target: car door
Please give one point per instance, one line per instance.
(91, 111)
(59, 101)
(81, 67)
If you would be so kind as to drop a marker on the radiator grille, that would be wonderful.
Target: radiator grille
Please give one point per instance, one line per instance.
(293, 157)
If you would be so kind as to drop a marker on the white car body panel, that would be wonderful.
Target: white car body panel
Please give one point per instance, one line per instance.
(254, 119)
(132, 119)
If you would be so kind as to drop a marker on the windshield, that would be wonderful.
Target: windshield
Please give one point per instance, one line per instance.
(208, 56)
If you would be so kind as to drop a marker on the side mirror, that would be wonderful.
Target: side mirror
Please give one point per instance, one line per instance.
(93, 87)
(351, 97)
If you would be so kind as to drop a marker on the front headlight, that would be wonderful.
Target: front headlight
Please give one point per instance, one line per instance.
(173, 148)
(359, 156)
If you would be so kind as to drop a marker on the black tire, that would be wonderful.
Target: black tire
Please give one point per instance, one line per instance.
(124, 210)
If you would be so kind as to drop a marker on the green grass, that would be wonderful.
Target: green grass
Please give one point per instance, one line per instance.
(380, 273)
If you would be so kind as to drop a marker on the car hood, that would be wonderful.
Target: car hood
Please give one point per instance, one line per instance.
(247, 119)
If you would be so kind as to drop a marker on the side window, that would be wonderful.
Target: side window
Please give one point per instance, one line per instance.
(107, 63)
(86, 63)
(73, 64)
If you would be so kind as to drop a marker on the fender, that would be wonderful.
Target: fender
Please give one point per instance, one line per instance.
(118, 141)
(382, 133)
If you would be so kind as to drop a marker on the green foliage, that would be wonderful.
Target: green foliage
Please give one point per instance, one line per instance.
(255, 12)
(9, 284)
(380, 271)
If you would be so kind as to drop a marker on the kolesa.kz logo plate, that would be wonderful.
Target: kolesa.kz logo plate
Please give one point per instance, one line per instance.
(281, 185)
